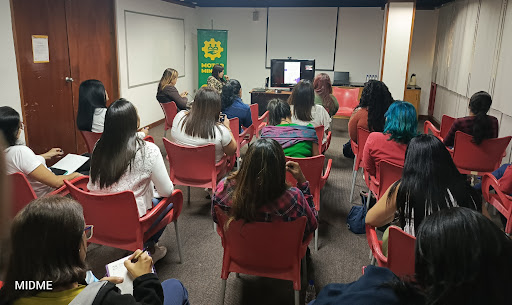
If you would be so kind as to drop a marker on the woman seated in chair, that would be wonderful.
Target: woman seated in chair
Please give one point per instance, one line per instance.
(57, 251)
(430, 182)
(461, 258)
(478, 124)
(369, 114)
(259, 191)
(217, 80)
(92, 107)
(232, 105)
(400, 127)
(122, 161)
(297, 141)
(304, 110)
(167, 91)
(20, 158)
(323, 94)
(201, 125)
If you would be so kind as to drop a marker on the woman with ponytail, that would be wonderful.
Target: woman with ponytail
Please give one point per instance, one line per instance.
(232, 105)
(323, 94)
(478, 124)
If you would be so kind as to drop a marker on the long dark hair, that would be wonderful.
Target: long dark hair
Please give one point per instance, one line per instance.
(230, 92)
(463, 258)
(215, 72)
(430, 182)
(118, 145)
(277, 111)
(203, 117)
(323, 87)
(91, 95)
(479, 104)
(45, 242)
(377, 99)
(9, 124)
(260, 180)
(303, 100)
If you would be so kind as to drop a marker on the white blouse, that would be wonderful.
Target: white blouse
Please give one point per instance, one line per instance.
(147, 170)
(320, 118)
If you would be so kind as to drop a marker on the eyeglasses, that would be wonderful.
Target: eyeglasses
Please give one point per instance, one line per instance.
(88, 231)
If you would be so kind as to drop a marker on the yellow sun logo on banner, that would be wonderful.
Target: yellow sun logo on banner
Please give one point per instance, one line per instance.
(212, 49)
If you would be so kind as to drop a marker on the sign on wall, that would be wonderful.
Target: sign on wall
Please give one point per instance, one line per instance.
(212, 47)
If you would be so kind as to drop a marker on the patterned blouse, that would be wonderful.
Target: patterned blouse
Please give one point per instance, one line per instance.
(215, 83)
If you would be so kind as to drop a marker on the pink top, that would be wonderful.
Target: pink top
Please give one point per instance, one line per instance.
(506, 181)
(378, 147)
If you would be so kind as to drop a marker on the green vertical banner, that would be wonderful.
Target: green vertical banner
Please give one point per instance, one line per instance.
(212, 47)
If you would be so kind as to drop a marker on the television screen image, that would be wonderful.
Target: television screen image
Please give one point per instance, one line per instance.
(288, 72)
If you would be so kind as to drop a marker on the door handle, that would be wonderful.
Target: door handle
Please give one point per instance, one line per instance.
(69, 79)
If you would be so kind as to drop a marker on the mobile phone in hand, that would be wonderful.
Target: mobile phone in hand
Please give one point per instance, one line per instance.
(222, 117)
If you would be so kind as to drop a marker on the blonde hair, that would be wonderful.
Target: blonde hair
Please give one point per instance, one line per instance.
(168, 76)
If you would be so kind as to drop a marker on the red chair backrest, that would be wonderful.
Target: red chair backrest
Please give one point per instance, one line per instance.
(149, 138)
(446, 124)
(388, 173)
(347, 97)
(254, 114)
(485, 157)
(501, 201)
(362, 136)
(320, 135)
(90, 139)
(170, 111)
(234, 125)
(261, 248)
(190, 165)
(401, 252)
(22, 192)
(312, 169)
(115, 217)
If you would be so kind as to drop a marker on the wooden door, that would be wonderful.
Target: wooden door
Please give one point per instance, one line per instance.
(46, 96)
(92, 48)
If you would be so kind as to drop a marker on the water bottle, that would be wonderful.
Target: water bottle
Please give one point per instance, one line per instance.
(367, 77)
(310, 292)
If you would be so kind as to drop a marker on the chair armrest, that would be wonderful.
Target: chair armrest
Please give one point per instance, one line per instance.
(323, 179)
(246, 135)
(176, 199)
(79, 182)
(429, 126)
(149, 139)
(262, 117)
(373, 243)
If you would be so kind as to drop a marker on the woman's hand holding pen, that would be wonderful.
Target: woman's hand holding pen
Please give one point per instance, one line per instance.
(139, 263)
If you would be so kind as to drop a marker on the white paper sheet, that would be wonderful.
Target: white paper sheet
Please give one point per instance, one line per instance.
(70, 163)
(40, 48)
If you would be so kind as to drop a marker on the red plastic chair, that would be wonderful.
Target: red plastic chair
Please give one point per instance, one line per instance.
(195, 166)
(90, 139)
(116, 218)
(23, 193)
(170, 111)
(268, 249)
(501, 201)
(348, 100)
(322, 147)
(241, 139)
(472, 159)
(312, 169)
(357, 149)
(446, 124)
(258, 122)
(388, 173)
(401, 250)
(149, 138)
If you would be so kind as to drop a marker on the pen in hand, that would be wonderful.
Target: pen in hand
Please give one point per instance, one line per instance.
(136, 258)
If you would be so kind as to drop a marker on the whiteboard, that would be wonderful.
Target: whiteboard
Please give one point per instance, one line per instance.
(302, 33)
(153, 44)
(501, 98)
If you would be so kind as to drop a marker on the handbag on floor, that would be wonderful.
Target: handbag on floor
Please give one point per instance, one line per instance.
(347, 150)
(356, 218)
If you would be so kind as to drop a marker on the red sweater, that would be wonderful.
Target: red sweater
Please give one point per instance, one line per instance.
(378, 147)
(506, 181)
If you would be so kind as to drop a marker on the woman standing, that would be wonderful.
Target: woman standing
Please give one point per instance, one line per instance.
(478, 124)
(259, 192)
(121, 161)
(167, 91)
(304, 110)
(201, 125)
(323, 94)
(92, 106)
(216, 80)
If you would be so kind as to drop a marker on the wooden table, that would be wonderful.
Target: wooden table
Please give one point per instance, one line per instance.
(263, 97)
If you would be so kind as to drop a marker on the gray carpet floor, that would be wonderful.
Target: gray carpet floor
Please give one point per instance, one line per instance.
(339, 259)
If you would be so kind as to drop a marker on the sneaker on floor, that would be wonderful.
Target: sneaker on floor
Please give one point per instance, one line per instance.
(160, 252)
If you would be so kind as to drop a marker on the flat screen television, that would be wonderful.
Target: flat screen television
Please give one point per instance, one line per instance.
(288, 72)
